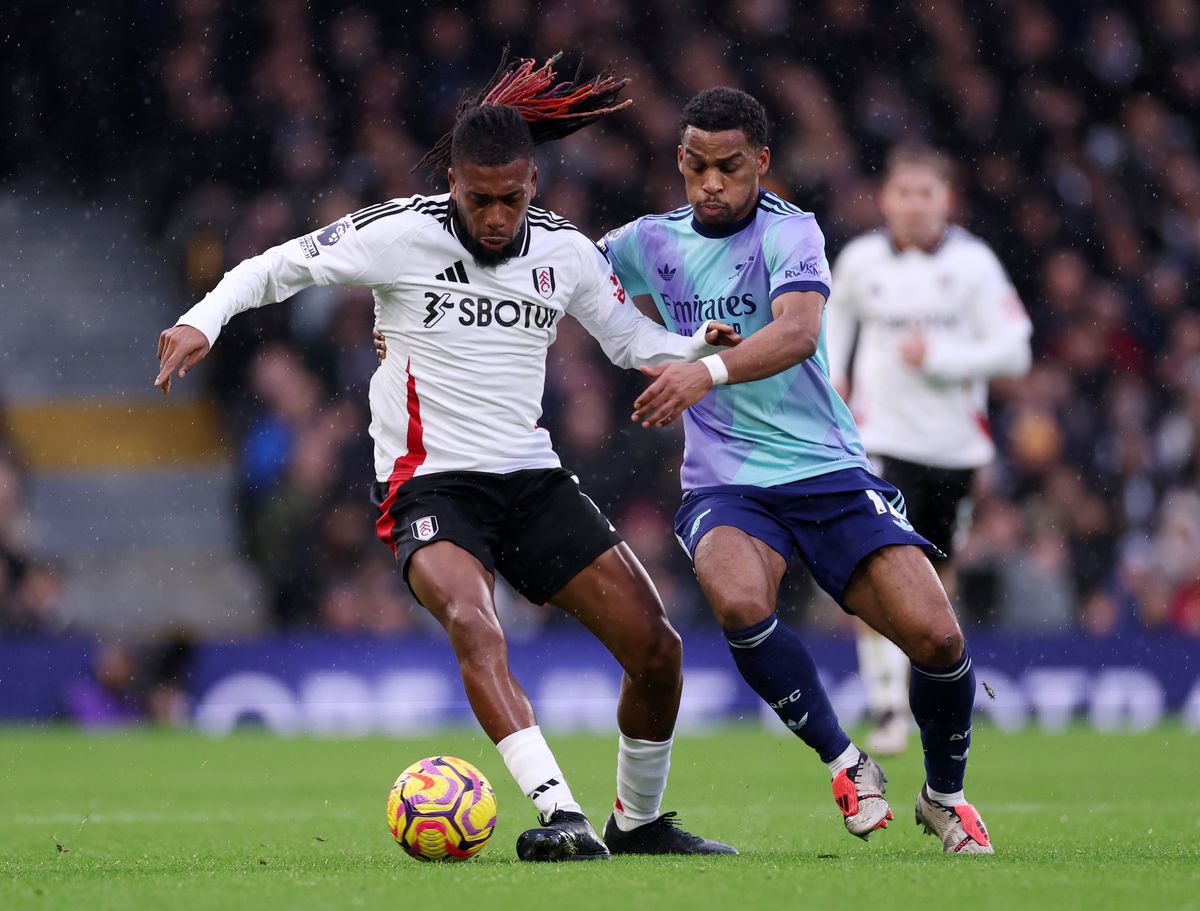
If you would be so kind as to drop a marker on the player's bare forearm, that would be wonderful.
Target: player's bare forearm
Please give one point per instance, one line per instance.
(791, 337)
(180, 348)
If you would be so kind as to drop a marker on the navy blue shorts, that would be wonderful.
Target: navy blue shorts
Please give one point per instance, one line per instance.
(833, 520)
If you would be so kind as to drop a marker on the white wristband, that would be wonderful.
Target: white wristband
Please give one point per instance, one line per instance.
(716, 369)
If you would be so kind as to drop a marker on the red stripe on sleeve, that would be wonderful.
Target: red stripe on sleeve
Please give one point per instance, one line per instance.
(406, 466)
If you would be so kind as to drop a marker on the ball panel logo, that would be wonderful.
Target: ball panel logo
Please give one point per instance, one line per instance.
(327, 237)
(426, 528)
(543, 281)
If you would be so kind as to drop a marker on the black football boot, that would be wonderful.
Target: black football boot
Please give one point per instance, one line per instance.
(663, 836)
(564, 836)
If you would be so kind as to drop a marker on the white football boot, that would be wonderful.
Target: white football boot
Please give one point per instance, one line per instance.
(960, 827)
(858, 792)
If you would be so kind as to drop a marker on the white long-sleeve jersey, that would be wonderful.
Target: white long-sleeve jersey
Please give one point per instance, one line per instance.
(461, 387)
(960, 298)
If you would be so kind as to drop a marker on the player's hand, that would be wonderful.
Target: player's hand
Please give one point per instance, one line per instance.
(721, 334)
(913, 349)
(181, 347)
(380, 345)
(676, 388)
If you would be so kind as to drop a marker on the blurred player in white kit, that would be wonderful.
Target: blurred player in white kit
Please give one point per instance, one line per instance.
(921, 317)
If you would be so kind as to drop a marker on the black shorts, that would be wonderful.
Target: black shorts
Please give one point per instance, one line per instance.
(537, 528)
(933, 497)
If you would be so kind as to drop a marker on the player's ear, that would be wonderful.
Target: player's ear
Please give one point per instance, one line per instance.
(764, 161)
(451, 179)
(679, 158)
(532, 180)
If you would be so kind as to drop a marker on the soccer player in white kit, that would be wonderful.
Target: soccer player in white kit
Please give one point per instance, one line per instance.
(469, 287)
(926, 315)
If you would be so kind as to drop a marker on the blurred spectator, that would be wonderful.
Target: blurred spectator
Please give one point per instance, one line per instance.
(30, 590)
(168, 666)
(109, 697)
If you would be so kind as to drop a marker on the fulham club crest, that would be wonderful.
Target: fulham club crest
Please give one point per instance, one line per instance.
(424, 529)
(543, 281)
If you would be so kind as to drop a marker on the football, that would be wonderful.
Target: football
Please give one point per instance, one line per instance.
(441, 808)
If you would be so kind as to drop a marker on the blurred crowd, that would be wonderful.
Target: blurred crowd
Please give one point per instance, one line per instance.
(30, 587)
(1076, 129)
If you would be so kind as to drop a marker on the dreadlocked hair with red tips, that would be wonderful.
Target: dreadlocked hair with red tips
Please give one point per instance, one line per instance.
(522, 106)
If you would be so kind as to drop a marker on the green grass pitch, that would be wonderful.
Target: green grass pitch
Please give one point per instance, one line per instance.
(146, 820)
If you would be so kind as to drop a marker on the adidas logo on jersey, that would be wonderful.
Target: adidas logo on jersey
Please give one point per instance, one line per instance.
(455, 273)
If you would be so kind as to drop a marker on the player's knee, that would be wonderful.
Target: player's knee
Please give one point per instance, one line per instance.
(940, 647)
(737, 611)
(659, 658)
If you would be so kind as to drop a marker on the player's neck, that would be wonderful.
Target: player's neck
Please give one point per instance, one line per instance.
(728, 229)
(924, 245)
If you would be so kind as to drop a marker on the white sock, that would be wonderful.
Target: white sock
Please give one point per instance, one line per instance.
(946, 800)
(642, 767)
(884, 670)
(536, 772)
(847, 760)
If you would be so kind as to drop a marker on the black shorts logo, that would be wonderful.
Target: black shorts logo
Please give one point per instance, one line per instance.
(424, 529)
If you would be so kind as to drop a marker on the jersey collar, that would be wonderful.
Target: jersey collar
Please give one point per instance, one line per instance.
(731, 229)
(929, 251)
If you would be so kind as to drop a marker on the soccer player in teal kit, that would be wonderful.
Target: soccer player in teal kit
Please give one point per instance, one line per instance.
(773, 463)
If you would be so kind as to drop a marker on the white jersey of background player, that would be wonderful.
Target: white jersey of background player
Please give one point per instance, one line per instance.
(926, 314)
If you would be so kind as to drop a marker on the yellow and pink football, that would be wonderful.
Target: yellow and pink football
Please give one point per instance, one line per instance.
(441, 808)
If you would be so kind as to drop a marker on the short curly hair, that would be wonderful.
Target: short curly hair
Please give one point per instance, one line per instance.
(724, 108)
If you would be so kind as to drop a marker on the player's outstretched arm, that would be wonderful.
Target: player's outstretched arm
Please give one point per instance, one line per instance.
(339, 254)
(630, 338)
(791, 337)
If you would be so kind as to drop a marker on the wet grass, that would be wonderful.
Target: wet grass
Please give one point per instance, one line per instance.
(157, 819)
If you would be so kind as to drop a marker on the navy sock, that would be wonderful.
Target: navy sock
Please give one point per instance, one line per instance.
(773, 660)
(942, 700)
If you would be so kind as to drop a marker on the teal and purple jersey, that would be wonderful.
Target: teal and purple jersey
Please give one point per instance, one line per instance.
(772, 431)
